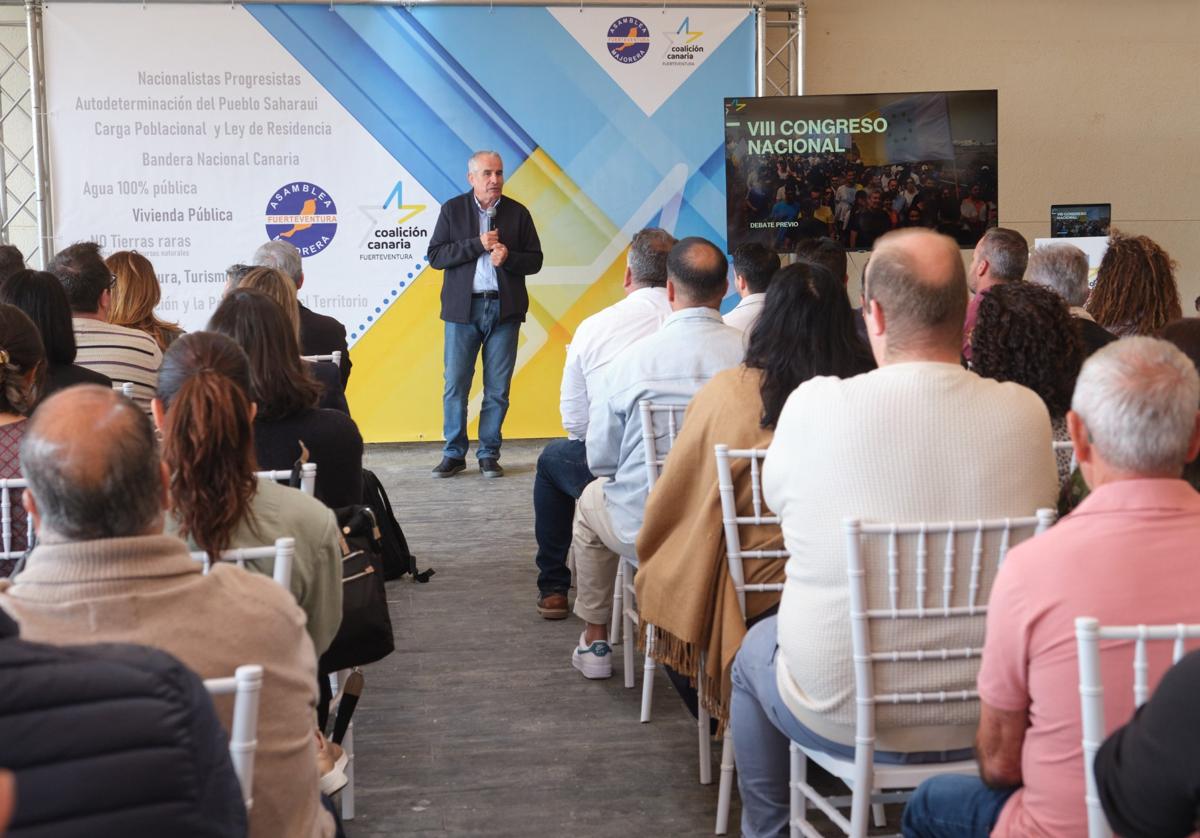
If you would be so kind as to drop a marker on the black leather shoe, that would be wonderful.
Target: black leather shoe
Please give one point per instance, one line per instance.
(490, 467)
(449, 467)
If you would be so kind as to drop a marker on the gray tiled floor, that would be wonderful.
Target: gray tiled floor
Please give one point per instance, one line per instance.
(478, 725)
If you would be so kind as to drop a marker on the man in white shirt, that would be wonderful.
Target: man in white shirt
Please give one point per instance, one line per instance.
(919, 439)
(120, 353)
(562, 469)
(753, 267)
(668, 367)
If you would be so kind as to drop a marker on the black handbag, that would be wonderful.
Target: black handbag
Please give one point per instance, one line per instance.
(365, 635)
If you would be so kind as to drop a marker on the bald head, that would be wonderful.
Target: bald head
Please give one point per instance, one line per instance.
(698, 271)
(917, 278)
(93, 468)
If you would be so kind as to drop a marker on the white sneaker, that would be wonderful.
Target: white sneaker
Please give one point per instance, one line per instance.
(594, 661)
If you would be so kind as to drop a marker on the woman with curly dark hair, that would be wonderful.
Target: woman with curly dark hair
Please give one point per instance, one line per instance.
(1025, 333)
(1135, 291)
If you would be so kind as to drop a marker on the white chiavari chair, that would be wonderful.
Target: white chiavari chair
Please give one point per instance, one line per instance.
(1088, 634)
(8, 535)
(735, 557)
(334, 357)
(874, 617)
(308, 477)
(246, 687)
(655, 447)
(282, 553)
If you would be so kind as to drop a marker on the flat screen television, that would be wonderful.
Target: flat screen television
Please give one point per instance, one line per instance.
(855, 166)
(1074, 220)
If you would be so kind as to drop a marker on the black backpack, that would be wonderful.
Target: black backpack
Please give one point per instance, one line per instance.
(397, 558)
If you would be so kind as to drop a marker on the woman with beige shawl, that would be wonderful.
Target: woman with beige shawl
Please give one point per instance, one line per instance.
(806, 329)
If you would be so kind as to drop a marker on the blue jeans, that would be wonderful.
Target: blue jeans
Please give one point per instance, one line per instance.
(463, 342)
(762, 726)
(953, 806)
(562, 472)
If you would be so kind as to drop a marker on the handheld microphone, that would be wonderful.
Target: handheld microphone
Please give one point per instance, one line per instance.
(491, 217)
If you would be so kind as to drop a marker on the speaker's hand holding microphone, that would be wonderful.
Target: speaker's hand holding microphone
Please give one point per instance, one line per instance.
(492, 237)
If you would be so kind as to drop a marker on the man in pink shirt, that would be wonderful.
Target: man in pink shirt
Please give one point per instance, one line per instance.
(1126, 555)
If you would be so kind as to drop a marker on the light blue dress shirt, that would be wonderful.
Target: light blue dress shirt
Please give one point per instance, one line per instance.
(485, 271)
(667, 367)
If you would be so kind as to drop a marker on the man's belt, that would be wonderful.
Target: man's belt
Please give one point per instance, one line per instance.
(485, 295)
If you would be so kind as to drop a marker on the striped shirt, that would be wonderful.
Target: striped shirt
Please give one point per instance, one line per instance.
(120, 353)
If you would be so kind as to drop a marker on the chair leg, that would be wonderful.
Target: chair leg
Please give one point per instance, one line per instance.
(648, 674)
(798, 772)
(347, 793)
(878, 815)
(702, 725)
(614, 630)
(627, 649)
(725, 791)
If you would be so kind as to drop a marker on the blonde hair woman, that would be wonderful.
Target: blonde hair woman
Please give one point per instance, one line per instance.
(280, 289)
(135, 295)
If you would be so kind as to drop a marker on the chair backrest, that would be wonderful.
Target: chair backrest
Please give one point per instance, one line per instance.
(1088, 634)
(283, 552)
(733, 522)
(6, 519)
(308, 477)
(1065, 445)
(125, 388)
(245, 686)
(655, 453)
(952, 605)
(334, 357)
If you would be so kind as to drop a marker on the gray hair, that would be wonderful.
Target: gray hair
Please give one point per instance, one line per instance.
(282, 256)
(1138, 398)
(1006, 251)
(473, 162)
(1063, 268)
(105, 486)
(648, 256)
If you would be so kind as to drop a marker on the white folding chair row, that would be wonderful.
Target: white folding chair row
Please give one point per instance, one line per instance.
(864, 778)
(334, 357)
(735, 557)
(1088, 634)
(283, 552)
(246, 687)
(308, 477)
(124, 387)
(1065, 445)
(624, 591)
(6, 519)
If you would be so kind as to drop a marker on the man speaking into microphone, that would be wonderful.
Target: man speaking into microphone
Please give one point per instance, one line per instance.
(486, 245)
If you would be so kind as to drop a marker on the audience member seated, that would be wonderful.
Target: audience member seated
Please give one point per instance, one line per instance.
(41, 296)
(121, 353)
(11, 261)
(1185, 334)
(919, 439)
(22, 364)
(112, 740)
(667, 367)
(104, 572)
(1026, 334)
(289, 423)
(1135, 291)
(319, 333)
(1063, 268)
(135, 295)
(206, 419)
(562, 469)
(1147, 775)
(806, 329)
(753, 266)
(280, 289)
(1124, 556)
(999, 256)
